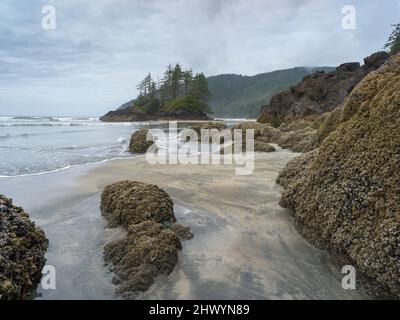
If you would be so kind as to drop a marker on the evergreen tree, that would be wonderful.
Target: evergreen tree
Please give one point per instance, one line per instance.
(187, 81)
(178, 90)
(166, 84)
(176, 82)
(393, 43)
(200, 87)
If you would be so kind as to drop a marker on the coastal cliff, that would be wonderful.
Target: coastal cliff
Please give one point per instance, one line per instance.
(345, 195)
(318, 93)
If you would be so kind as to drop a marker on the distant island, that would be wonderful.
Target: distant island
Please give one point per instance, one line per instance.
(180, 95)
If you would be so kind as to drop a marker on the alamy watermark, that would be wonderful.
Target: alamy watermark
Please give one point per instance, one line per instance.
(349, 280)
(49, 20)
(349, 20)
(48, 281)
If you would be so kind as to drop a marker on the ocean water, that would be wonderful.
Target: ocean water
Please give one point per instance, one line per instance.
(34, 145)
(38, 145)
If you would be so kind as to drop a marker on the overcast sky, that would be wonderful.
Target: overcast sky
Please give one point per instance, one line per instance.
(100, 49)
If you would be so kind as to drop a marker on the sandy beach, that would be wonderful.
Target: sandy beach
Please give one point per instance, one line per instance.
(245, 244)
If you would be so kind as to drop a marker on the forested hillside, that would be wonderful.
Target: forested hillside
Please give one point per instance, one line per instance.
(179, 94)
(242, 96)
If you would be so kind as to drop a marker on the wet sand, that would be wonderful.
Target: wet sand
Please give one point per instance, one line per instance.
(245, 245)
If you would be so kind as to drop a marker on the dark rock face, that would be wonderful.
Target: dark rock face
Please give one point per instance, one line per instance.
(22, 249)
(139, 143)
(318, 93)
(132, 115)
(346, 195)
(375, 60)
(153, 236)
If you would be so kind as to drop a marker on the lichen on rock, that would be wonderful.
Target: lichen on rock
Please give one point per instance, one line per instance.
(147, 251)
(153, 238)
(22, 249)
(346, 194)
(130, 202)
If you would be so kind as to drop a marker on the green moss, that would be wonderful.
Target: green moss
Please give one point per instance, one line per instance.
(189, 104)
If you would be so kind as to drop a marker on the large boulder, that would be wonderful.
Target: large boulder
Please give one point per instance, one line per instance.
(318, 93)
(153, 238)
(346, 195)
(139, 142)
(375, 60)
(22, 249)
(131, 202)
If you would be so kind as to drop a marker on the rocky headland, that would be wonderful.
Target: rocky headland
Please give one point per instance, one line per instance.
(319, 92)
(131, 114)
(22, 249)
(150, 247)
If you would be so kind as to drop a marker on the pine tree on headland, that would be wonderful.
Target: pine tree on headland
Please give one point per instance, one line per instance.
(178, 91)
(176, 84)
(393, 43)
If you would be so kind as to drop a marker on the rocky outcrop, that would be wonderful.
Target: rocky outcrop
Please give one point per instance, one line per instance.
(130, 202)
(290, 137)
(214, 125)
(211, 125)
(261, 146)
(346, 195)
(318, 93)
(22, 249)
(297, 141)
(139, 143)
(153, 238)
(133, 115)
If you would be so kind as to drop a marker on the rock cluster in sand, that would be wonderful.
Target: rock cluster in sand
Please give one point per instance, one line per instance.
(153, 238)
(22, 249)
(346, 195)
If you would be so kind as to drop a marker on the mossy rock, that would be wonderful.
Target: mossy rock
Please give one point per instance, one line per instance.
(22, 249)
(346, 195)
(131, 202)
(147, 251)
(139, 143)
(153, 238)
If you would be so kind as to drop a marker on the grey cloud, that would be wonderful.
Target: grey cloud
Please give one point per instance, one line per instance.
(102, 48)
